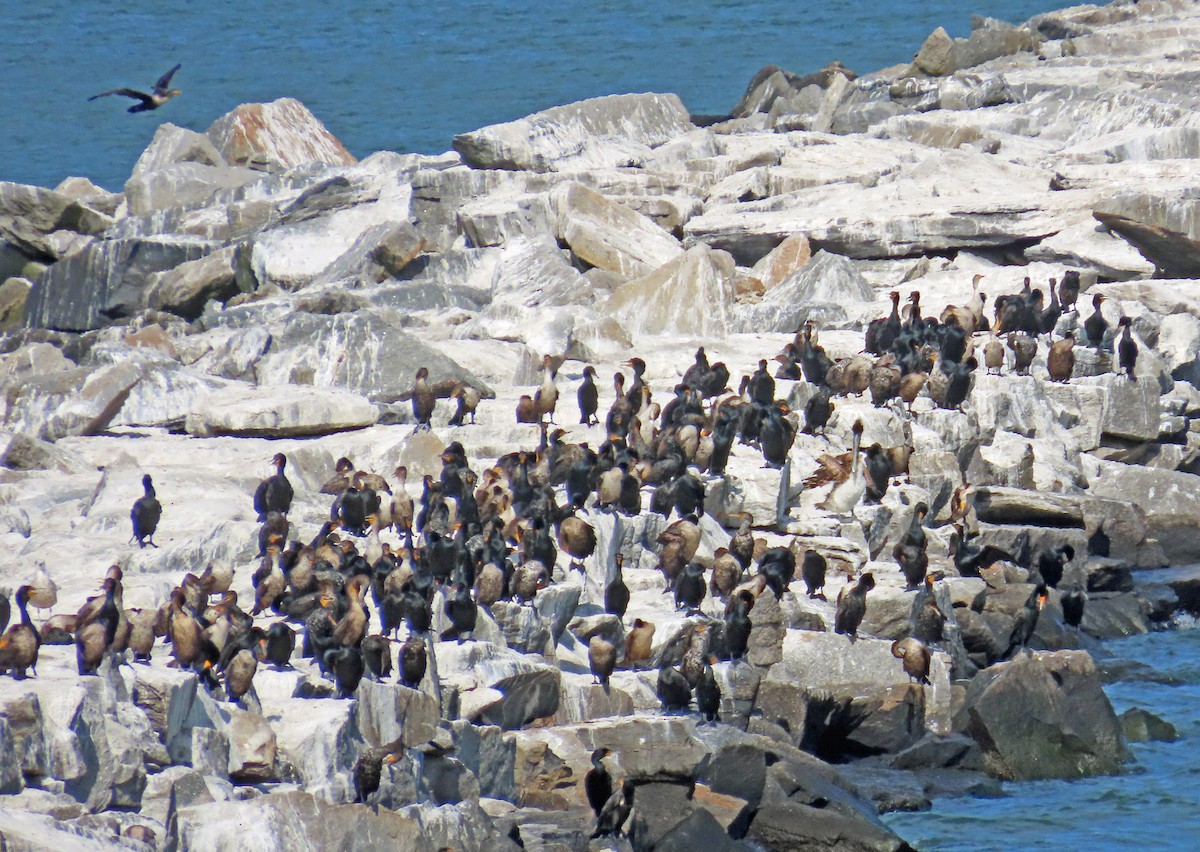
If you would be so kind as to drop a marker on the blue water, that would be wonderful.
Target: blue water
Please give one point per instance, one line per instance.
(408, 76)
(1154, 805)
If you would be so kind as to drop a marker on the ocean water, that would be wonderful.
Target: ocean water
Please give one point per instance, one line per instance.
(1155, 804)
(408, 76)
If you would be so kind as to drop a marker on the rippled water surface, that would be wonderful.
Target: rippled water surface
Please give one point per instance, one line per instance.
(408, 76)
(1155, 805)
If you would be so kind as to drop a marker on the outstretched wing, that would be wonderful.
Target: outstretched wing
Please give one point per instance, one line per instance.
(165, 80)
(129, 93)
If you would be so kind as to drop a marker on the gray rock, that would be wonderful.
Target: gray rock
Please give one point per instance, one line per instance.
(293, 821)
(80, 401)
(186, 289)
(1065, 727)
(107, 280)
(14, 292)
(362, 352)
(11, 778)
(385, 713)
(1114, 615)
(1140, 726)
(490, 755)
(173, 788)
(826, 283)
(607, 131)
(607, 235)
(657, 302)
(29, 214)
(186, 184)
(279, 411)
(252, 747)
(658, 808)
(173, 144)
(791, 825)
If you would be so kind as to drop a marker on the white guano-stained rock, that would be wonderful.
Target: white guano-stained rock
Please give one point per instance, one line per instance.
(279, 134)
(278, 411)
(609, 131)
(608, 235)
(692, 294)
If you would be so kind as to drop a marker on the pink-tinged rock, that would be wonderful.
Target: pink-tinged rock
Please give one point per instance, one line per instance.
(282, 133)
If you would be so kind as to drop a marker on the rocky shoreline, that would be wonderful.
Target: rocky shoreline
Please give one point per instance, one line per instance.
(256, 290)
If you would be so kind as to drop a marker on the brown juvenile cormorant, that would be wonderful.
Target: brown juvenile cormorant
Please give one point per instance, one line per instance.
(146, 102)
(145, 514)
(916, 658)
(423, 400)
(639, 642)
(468, 401)
(602, 659)
(1060, 361)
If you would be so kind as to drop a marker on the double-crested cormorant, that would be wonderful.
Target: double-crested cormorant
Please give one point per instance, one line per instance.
(1026, 621)
(274, 494)
(602, 659)
(1096, 325)
(1127, 349)
(738, 625)
(145, 514)
(346, 664)
(852, 606)
(812, 570)
(460, 608)
(690, 586)
(616, 593)
(589, 397)
(598, 782)
(916, 658)
(615, 811)
(468, 401)
(672, 689)
(1050, 565)
(413, 662)
(545, 398)
(1060, 360)
(239, 674)
(96, 627)
(639, 643)
(1073, 601)
(20, 643)
(146, 102)
(778, 568)
(423, 400)
(368, 769)
(708, 693)
(279, 643)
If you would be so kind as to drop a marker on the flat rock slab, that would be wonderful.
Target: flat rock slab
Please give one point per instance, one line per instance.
(590, 133)
(279, 411)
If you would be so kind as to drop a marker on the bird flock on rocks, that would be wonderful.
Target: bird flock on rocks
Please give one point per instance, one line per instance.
(361, 607)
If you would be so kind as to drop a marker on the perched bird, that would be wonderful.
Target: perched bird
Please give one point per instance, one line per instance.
(602, 659)
(850, 486)
(993, 355)
(274, 494)
(588, 397)
(413, 662)
(812, 570)
(1060, 361)
(738, 625)
(639, 642)
(970, 559)
(158, 96)
(1024, 349)
(145, 514)
(423, 399)
(615, 812)
(1096, 325)
(468, 401)
(1073, 601)
(616, 593)
(278, 644)
(239, 674)
(852, 606)
(778, 568)
(598, 782)
(1051, 565)
(460, 608)
(690, 587)
(1026, 621)
(346, 664)
(915, 658)
(368, 769)
(1127, 349)
(43, 591)
(20, 643)
(708, 693)
(545, 398)
(672, 689)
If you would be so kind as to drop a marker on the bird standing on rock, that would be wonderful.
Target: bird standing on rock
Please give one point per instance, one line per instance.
(1060, 361)
(812, 570)
(423, 399)
(672, 689)
(588, 397)
(852, 606)
(915, 656)
(274, 494)
(1127, 349)
(598, 782)
(145, 514)
(602, 659)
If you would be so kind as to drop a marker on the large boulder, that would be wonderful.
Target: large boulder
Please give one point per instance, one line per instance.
(665, 300)
(79, 401)
(608, 235)
(1043, 715)
(276, 135)
(600, 132)
(107, 280)
(820, 289)
(279, 411)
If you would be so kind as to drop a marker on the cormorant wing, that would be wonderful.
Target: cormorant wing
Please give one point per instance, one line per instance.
(129, 93)
(165, 80)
